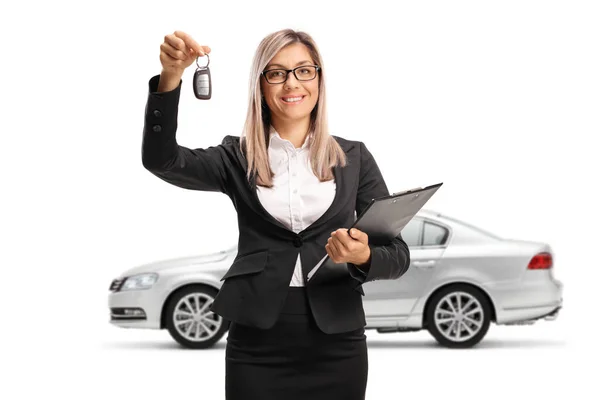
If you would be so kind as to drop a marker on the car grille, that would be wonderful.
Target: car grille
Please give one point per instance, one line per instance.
(116, 284)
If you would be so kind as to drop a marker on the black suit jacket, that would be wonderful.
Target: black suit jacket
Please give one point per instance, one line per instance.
(256, 284)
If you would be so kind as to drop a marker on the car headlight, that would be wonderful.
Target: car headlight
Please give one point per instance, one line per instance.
(141, 281)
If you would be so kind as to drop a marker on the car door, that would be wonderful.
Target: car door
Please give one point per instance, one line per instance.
(427, 242)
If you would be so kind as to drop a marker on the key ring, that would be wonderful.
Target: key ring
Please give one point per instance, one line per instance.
(206, 66)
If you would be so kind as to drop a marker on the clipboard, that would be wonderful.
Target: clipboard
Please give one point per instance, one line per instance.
(385, 217)
(382, 220)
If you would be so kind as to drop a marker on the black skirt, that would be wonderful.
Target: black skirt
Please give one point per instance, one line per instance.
(295, 359)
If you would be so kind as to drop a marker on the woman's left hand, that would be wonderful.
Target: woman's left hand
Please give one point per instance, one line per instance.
(341, 247)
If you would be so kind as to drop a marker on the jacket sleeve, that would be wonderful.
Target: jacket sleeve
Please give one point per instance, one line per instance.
(197, 169)
(388, 260)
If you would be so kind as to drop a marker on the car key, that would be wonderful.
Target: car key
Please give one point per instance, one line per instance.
(202, 83)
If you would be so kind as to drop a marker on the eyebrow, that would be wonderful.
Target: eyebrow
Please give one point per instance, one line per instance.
(279, 65)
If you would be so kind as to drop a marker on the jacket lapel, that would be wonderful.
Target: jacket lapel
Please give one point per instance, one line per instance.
(345, 179)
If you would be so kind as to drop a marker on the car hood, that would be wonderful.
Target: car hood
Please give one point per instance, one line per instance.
(162, 265)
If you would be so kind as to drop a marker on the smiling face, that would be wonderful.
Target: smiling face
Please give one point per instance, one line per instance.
(290, 57)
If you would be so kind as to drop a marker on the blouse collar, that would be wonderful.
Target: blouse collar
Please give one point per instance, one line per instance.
(277, 141)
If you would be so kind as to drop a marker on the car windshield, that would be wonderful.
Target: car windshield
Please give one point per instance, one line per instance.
(230, 249)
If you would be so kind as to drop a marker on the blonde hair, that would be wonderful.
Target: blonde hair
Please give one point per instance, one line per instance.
(325, 152)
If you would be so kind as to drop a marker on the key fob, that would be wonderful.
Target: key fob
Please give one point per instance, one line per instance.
(202, 82)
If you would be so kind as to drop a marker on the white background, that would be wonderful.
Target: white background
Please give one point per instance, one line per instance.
(498, 100)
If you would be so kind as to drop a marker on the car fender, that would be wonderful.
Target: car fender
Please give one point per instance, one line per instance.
(475, 278)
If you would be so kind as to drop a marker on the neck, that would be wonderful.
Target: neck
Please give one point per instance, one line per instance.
(295, 130)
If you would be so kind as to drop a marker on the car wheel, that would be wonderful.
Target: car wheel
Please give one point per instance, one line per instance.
(458, 316)
(189, 321)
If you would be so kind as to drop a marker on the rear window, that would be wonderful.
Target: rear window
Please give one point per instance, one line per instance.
(434, 235)
(411, 233)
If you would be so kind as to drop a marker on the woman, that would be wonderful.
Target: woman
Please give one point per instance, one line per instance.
(296, 189)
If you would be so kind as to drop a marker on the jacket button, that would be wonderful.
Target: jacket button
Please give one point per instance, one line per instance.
(157, 113)
(157, 128)
(298, 241)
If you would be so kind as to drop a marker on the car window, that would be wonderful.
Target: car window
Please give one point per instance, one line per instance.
(434, 235)
(412, 231)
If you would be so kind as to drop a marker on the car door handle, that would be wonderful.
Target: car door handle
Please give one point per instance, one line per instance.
(424, 264)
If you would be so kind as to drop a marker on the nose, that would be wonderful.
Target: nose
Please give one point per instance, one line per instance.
(291, 80)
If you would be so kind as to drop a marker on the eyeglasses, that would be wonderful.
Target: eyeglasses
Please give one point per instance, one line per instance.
(306, 73)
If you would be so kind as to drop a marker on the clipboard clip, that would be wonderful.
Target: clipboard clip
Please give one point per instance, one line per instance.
(408, 191)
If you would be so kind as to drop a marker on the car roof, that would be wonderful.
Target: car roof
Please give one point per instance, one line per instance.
(429, 214)
(436, 215)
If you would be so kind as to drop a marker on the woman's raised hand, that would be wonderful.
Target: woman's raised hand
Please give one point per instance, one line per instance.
(179, 51)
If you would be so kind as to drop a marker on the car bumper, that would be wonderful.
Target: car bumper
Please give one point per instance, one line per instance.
(134, 309)
(528, 301)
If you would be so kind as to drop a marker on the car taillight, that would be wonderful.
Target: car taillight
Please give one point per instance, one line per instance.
(541, 261)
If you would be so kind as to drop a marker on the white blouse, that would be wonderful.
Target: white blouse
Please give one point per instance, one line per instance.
(297, 198)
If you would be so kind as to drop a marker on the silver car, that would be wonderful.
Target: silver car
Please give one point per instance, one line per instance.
(461, 279)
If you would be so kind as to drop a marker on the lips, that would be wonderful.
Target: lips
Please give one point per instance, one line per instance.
(283, 99)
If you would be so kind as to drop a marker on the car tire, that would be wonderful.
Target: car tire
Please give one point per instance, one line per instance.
(204, 327)
(443, 317)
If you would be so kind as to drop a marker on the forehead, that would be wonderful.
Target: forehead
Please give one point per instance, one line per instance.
(291, 56)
